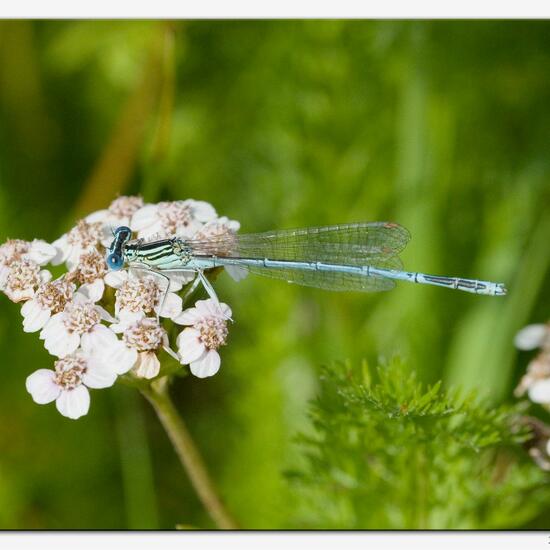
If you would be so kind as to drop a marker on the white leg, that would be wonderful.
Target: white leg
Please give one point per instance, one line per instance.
(192, 288)
(148, 270)
(210, 289)
(200, 278)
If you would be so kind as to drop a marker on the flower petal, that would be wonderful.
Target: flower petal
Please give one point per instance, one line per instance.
(188, 317)
(144, 217)
(20, 295)
(100, 338)
(97, 216)
(116, 278)
(539, 392)
(190, 347)
(54, 324)
(203, 211)
(117, 358)
(177, 280)
(74, 403)
(60, 342)
(40, 384)
(171, 306)
(62, 250)
(45, 276)
(207, 365)
(125, 319)
(41, 252)
(4, 274)
(147, 365)
(154, 231)
(93, 291)
(97, 375)
(34, 316)
(531, 336)
(211, 307)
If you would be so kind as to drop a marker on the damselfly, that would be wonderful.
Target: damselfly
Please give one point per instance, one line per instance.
(358, 256)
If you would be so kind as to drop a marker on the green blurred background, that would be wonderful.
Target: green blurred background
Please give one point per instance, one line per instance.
(440, 126)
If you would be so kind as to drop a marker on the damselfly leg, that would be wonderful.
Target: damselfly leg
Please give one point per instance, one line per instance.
(150, 271)
(200, 279)
(191, 289)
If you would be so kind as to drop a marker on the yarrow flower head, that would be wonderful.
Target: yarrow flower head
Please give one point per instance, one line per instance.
(207, 331)
(67, 384)
(101, 324)
(37, 250)
(172, 219)
(119, 213)
(89, 273)
(23, 278)
(49, 299)
(137, 296)
(19, 267)
(78, 323)
(147, 337)
(85, 237)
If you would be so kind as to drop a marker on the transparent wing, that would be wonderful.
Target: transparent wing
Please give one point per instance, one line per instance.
(376, 244)
(351, 244)
(331, 280)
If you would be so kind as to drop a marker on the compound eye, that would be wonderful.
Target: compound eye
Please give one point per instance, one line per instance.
(114, 262)
(124, 230)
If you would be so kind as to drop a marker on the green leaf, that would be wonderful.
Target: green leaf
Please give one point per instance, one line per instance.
(388, 453)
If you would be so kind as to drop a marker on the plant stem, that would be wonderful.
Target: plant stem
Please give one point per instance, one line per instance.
(157, 395)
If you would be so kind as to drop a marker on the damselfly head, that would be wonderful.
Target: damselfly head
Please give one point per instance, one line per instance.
(123, 232)
(115, 258)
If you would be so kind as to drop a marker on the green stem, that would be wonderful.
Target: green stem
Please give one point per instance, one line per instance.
(157, 394)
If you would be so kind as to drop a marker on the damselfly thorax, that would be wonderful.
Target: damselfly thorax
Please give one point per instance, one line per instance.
(160, 255)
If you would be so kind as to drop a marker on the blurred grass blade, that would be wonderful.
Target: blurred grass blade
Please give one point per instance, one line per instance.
(113, 171)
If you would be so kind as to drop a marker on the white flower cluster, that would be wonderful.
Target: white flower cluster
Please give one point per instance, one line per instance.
(92, 345)
(536, 381)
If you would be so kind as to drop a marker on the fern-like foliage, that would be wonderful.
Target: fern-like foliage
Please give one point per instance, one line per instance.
(385, 452)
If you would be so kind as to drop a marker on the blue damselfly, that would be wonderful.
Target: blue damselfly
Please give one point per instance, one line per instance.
(357, 257)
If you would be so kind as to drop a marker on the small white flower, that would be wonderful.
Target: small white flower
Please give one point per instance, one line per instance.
(119, 213)
(533, 336)
(68, 383)
(78, 324)
(86, 236)
(207, 331)
(15, 250)
(147, 337)
(90, 273)
(172, 219)
(536, 380)
(23, 278)
(218, 228)
(137, 297)
(50, 298)
(38, 251)
(539, 391)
